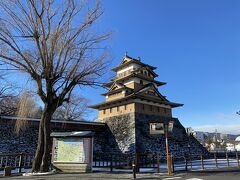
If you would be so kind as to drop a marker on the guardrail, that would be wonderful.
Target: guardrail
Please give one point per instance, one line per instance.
(158, 163)
(155, 161)
(16, 161)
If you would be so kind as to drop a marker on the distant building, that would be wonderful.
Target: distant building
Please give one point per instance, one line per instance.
(189, 130)
(215, 141)
(201, 136)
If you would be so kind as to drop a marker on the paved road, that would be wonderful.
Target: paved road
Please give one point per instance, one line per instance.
(220, 174)
(227, 174)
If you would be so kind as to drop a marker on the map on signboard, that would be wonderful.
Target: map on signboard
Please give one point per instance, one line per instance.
(69, 150)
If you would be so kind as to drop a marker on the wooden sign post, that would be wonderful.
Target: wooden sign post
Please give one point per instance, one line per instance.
(168, 129)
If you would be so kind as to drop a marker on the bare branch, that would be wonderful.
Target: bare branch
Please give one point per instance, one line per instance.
(57, 46)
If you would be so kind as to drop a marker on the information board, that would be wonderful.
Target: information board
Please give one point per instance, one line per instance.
(69, 150)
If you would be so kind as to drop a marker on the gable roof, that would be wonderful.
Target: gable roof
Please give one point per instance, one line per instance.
(115, 84)
(127, 60)
(138, 94)
(149, 70)
(116, 90)
(131, 97)
(110, 84)
(148, 86)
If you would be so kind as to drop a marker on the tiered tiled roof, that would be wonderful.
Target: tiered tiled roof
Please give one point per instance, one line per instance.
(137, 94)
(117, 85)
(127, 60)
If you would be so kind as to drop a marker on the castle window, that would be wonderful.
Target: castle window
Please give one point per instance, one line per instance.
(117, 108)
(141, 82)
(165, 110)
(151, 108)
(110, 110)
(125, 107)
(104, 111)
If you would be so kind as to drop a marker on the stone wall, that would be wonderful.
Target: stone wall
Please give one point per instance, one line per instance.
(131, 133)
(26, 141)
(127, 133)
(179, 142)
(10, 142)
(122, 129)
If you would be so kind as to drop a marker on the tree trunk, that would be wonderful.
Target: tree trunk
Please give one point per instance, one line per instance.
(42, 155)
(46, 155)
(39, 152)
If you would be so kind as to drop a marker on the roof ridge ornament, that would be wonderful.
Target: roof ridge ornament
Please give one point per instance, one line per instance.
(126, 54)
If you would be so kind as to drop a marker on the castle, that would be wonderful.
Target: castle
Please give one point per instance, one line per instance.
(134, 90)
(133, 107)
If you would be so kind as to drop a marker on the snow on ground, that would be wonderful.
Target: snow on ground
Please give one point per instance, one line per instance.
(195, 165)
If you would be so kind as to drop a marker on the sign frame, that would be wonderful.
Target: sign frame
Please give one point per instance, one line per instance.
(157, 128)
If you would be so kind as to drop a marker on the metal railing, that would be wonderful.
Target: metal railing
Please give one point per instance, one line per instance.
(154, 161)
(158, 163)
(16, 161)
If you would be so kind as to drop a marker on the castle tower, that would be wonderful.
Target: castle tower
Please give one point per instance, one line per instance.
(134, 89)
(133, 104)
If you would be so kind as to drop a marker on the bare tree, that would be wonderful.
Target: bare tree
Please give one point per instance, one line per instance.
(8, 105)
(8, 98)
(54, 42)
(26, 107)
(75, 109)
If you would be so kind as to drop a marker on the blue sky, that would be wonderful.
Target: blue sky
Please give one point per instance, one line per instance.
(195, 47)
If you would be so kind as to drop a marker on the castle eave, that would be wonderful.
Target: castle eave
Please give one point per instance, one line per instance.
(133, 61)
(116, 91)
(172, 104)
(113, 102)
(108, 85)
(132, 97)
(158, 83)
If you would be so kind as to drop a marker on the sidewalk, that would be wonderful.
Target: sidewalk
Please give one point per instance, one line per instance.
(215, 174)
(91, 176)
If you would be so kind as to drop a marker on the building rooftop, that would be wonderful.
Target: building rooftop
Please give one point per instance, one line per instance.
(127, 60)
(158, 83)
(136, 94)
(54, 121)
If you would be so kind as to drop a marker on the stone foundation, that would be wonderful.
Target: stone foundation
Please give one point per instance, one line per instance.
(131, 133)
(122, 129)
(178, 141)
